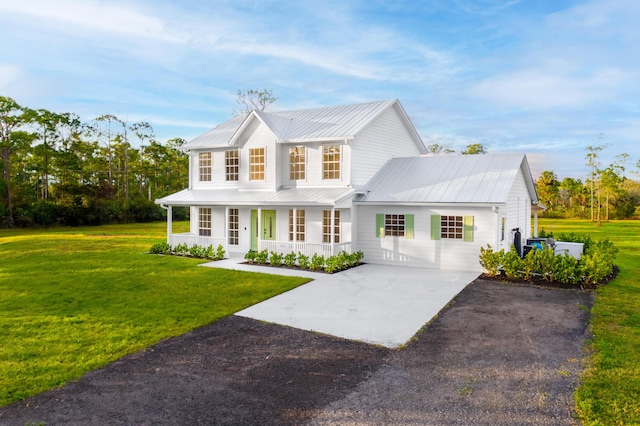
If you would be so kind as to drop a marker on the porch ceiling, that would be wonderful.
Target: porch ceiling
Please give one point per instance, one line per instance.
(328, 197)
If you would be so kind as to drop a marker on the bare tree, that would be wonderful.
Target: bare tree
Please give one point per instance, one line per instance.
(253, 99)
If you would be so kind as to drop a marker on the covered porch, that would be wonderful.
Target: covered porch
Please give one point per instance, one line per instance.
(310, 221)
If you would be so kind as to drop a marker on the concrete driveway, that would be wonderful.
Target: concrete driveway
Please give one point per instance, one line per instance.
(382, 305)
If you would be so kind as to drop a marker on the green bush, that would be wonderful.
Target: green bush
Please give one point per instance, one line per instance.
(275, 259)
(181, 249)
(160, 248)
(491, 260)
(303, 261)
(262, 257)
(290, 260)
(317, 262)
(220, 253)
(251, 256)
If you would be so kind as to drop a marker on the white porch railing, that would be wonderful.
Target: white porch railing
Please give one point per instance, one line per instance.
(308, 249)
(197, 240)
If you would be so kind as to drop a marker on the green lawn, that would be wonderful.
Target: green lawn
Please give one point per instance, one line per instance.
(610, 390)
(75, 299)
(72, 300)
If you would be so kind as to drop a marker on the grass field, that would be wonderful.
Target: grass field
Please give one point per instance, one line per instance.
(610, 389)
(72, 300)
(75, 299)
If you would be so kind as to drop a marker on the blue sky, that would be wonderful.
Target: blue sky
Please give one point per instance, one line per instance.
(542, 77)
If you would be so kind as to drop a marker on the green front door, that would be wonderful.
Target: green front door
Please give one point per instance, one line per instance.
(268, 225)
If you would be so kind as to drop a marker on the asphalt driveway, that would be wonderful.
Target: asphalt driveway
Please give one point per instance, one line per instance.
(499, 354)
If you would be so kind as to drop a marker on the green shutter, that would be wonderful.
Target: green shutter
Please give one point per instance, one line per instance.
(379, 225)
(408, 226)
(435, 227)
(468, 229)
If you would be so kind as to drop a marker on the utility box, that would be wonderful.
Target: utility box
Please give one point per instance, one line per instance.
(574, 249)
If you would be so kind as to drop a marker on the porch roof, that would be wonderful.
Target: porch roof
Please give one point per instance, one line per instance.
(293, 197)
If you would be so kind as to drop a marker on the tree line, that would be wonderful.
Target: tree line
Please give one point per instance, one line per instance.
(607, 193)
(59, 170)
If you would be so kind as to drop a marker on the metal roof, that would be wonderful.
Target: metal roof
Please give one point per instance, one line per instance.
(236, 197)
(305, 125)
(481, 178)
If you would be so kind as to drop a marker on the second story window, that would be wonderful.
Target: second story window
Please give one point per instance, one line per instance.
(231, 164)
(256, 164)
(204, 162)
(297, 163)
(331, 162)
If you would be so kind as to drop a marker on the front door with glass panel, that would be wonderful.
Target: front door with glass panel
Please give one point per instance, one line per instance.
(268, 225)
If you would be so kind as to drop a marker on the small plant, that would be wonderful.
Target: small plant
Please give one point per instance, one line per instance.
(220, 253)
(303, 261)
(491, 260)
(262, 257)
(251, 256)
(290, 260)
(160, 248)
(181, 249)
(333, 264)
(359, 256)
(275, 259)
(511, 263)
(197, 251)
(317, 262)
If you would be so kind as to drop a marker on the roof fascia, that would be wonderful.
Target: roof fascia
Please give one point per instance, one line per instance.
(528, 178)
(253, 114)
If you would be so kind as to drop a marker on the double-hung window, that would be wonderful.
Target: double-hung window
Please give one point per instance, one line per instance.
(231, 162)
(331, 161)
(296, 225)
(256, 164)
(204, 222)
(297, 162)
(327, 231)
(233, 227)
(204, 164)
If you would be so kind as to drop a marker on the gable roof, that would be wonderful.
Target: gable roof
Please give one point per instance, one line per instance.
(473, 179)
(305, 125)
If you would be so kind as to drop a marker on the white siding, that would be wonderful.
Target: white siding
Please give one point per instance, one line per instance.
(422, 251)
(517, 212)
(387, 137)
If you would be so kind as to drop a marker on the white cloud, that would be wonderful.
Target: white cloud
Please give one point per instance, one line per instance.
(9, 74)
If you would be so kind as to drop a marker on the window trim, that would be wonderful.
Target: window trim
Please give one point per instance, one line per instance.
(205, 166)
(205, 221)
(300, 225)
(329, 159)
(297, 169)
(327, 236)
(234, 228)
(257, 170)
(232, 171)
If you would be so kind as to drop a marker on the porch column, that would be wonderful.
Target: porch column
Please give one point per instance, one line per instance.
(226, 227)
(169, 223)
(535, 224)
(259, 230)
(295, 226)
(332, 235)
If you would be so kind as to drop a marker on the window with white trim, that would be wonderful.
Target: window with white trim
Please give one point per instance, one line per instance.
(296, 225)
(233, 227)
(451, 227)
(256, 164)
(204, 222)
(231, 161)
(204, 163)
(327, 232)
(394, 225)
(331, 161)
(297, 162)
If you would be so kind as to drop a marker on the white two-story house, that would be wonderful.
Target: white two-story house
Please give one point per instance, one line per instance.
(352, 177)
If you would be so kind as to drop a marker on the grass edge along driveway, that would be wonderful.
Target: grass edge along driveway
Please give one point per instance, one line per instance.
(610, 386)
(75, 299)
